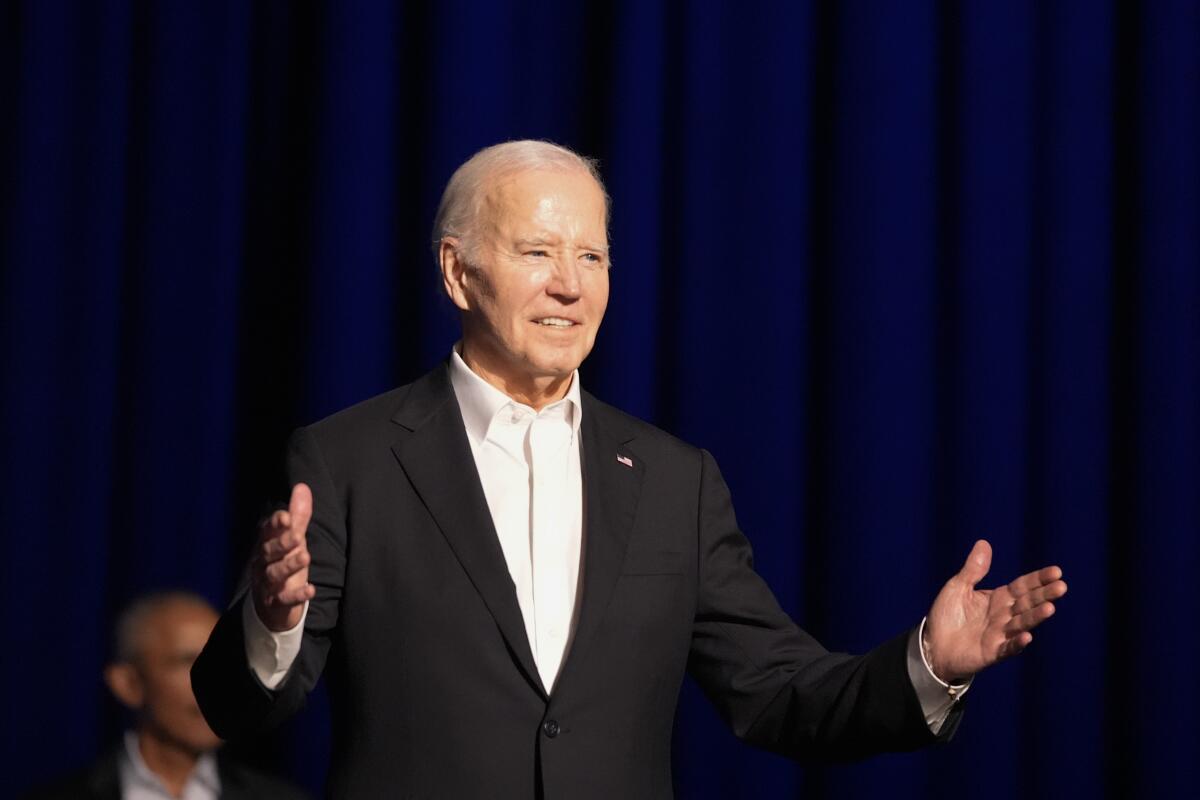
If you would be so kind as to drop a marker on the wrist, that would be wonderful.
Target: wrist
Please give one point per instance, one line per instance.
(275, 618)
(939, 672)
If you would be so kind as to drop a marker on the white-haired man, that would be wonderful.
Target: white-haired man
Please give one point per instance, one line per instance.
(506, 579)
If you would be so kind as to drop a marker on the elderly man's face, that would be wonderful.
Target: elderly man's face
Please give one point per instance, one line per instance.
(535, 294)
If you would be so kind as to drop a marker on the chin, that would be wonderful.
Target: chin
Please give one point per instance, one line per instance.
(197, 736)
(560, 370)
(202, 742)
(558, 364)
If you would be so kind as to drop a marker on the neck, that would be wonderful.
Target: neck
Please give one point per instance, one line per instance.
(170, 761)
(535, 392)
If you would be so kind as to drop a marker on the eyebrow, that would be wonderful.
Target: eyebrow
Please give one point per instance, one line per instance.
(538, 241)
(535, 242)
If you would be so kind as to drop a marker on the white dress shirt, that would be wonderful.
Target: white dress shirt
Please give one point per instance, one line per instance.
(528, 463)
(139, 783)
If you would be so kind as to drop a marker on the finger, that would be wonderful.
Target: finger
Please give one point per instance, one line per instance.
(296, 595)
(1038, 596)
(285, 529)
(274, 527)
(300, 507)
(275, 574)
(1033, 580)
(279, 521)
(977, 564)
(278, 572)
(1014, 645)
(1030, 619)
(275, 547)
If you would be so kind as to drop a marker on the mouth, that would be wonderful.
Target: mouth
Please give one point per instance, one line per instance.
(555, 322)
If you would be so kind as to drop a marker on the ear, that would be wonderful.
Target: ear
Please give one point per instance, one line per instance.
(125, 684)
(454, 271)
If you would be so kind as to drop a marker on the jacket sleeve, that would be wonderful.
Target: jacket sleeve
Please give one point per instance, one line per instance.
(775, 685)
(231, 697)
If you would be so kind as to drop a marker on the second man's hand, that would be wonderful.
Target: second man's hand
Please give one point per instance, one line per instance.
(279, 571)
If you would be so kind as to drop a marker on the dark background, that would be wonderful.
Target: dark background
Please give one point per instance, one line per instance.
(916, 273)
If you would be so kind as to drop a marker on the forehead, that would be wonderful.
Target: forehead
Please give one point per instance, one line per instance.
(559, 201)
(177, 624)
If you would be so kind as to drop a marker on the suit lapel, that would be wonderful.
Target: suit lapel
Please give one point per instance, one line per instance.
(436, 456)
(611, 488)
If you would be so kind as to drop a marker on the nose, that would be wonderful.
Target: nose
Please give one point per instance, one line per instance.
(564, 283)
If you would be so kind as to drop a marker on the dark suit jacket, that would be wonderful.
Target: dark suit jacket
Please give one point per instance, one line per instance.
(431, 678)
(102, 781)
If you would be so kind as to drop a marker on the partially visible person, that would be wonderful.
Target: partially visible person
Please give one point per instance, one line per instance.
(170, 752)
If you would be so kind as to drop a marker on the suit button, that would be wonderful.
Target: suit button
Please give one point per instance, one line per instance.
(550, 728)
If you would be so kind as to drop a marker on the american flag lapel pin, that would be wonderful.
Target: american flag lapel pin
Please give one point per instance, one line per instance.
(626, 460)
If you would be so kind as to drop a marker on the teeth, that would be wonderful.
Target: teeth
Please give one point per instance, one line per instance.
(557, 322)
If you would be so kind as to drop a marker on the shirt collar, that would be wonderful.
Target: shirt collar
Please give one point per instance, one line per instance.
(480, 402)
(205, 772)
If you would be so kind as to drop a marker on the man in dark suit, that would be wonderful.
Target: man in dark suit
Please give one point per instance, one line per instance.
(171, 752)
(505, 579)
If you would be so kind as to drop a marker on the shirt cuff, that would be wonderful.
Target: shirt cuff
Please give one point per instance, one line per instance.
(937, 697)
(270, 653)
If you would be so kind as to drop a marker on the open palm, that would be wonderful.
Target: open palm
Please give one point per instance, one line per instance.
(969, 629)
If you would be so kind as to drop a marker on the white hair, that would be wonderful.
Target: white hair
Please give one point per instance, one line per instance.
(458, 212)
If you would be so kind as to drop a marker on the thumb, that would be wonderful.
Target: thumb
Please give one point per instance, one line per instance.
(978, 563)
(301, 505)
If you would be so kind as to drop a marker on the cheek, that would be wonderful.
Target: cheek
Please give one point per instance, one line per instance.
(536, 278)
(511, 300)
(599, 295)
(175, 692)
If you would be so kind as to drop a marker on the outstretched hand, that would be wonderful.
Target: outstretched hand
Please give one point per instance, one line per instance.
(969, 629)
(279, 571)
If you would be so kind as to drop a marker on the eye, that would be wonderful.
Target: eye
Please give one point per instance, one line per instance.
(593, 259)
(536, 253)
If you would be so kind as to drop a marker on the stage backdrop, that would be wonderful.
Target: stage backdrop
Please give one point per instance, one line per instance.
(916, 273)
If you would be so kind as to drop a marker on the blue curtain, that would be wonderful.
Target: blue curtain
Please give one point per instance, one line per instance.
(916, 273)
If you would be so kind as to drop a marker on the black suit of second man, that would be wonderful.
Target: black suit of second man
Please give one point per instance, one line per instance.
(431, 678)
